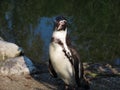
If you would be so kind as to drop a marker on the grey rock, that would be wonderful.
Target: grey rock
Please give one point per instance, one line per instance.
(9, 50)
(17, 66)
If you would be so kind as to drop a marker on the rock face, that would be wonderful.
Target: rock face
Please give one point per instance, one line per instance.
(12, 62)
(17, 66)
(9, 50)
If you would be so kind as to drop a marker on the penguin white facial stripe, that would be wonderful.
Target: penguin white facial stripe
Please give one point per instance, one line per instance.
(61, 25)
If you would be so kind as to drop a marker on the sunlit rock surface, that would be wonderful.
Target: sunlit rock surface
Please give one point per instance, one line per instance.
(12, 62)
(17, 66)
(9, 50)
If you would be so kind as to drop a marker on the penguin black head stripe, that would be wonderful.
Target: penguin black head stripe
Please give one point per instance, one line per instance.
(60, 23)
(59, 18)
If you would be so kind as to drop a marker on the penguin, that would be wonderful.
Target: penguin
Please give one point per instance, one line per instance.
(64, 60)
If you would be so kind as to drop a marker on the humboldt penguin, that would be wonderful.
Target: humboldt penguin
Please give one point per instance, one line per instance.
(64, 61)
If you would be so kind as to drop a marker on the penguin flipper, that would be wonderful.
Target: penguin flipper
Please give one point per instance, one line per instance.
(79, 71)
(51, 70)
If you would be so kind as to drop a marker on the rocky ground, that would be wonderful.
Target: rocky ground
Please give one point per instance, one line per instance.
(17, 72)
(41, 80)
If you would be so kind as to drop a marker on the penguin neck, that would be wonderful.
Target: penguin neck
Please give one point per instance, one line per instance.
(61, 35)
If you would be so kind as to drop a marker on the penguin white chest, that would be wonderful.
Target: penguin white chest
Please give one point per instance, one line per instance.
(61, 64)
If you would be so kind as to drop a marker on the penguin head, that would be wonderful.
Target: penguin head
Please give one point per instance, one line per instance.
(60, 23)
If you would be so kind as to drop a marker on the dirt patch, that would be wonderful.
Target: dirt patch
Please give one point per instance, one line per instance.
(23, 83)
(42, 80)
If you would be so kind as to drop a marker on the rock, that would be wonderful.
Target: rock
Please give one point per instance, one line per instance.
(98, 69)
(106, 83)
(9, 50)
(17, 66)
